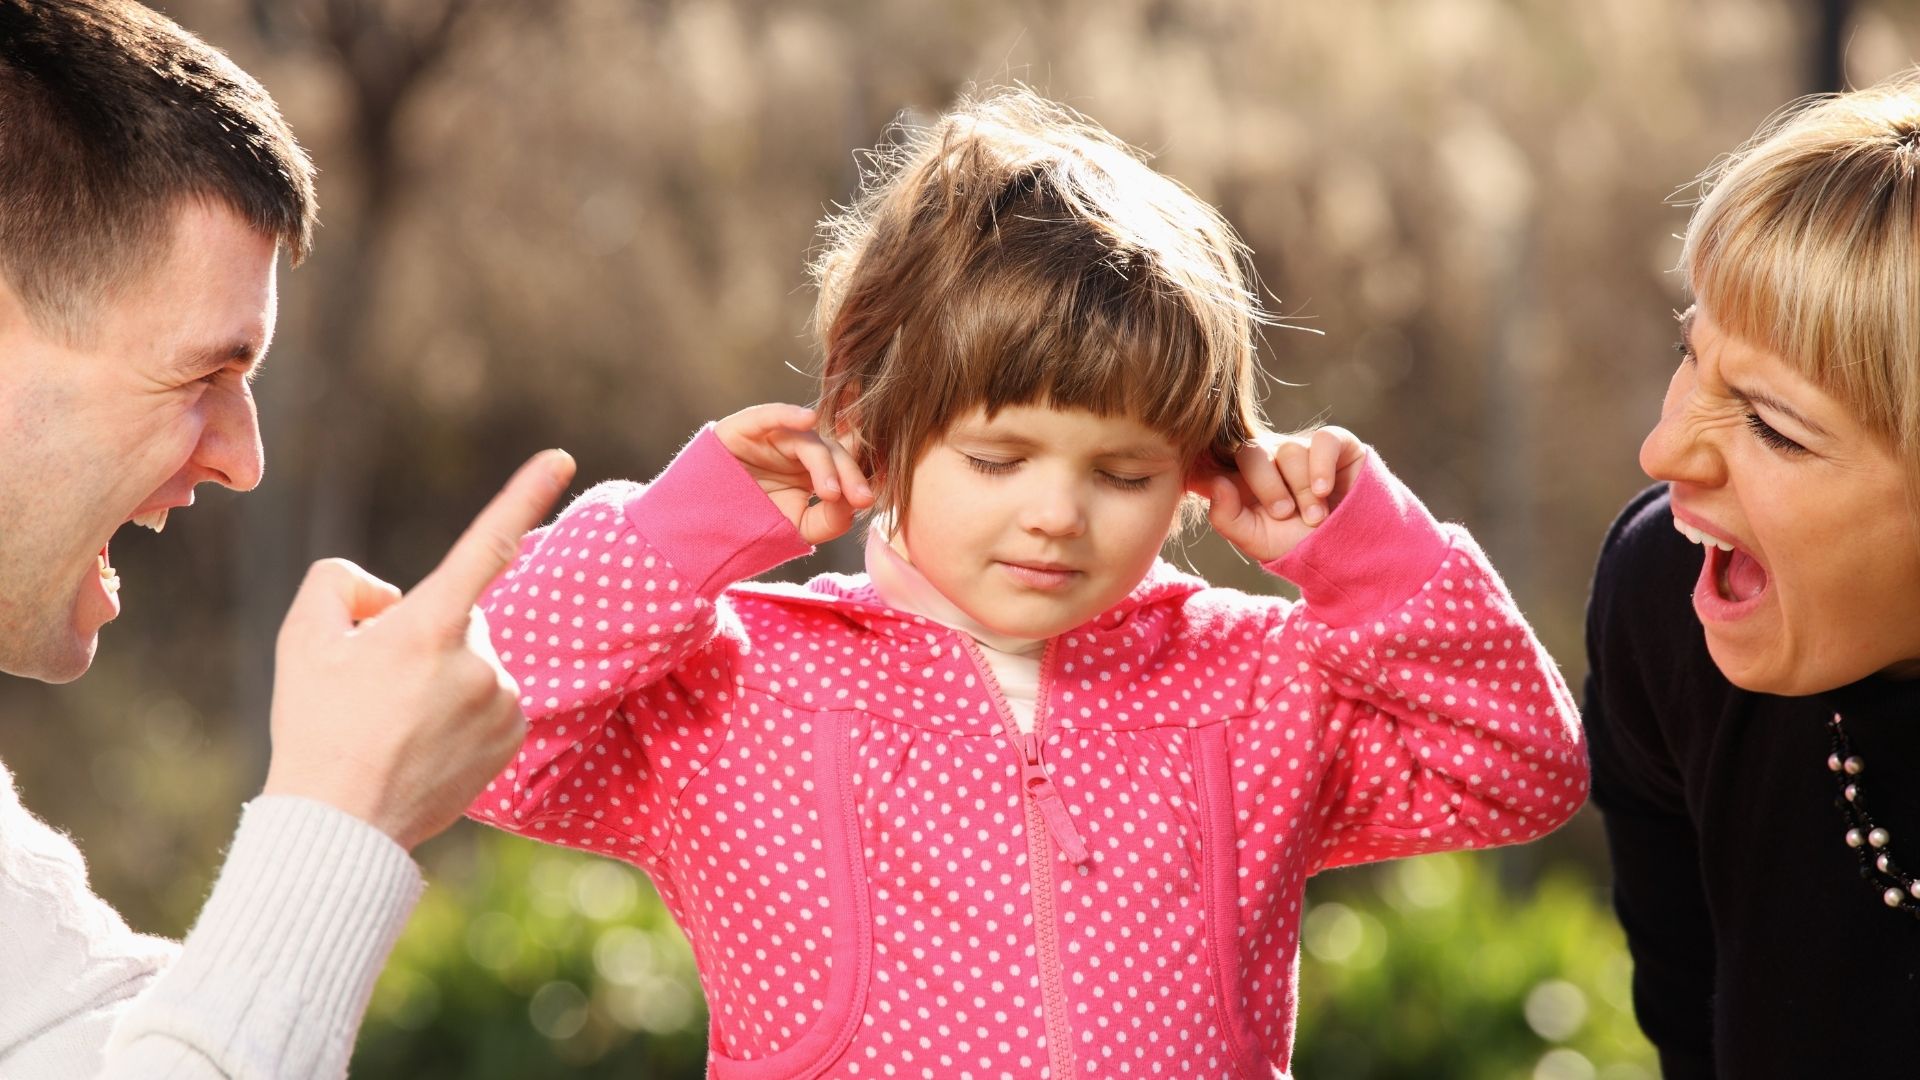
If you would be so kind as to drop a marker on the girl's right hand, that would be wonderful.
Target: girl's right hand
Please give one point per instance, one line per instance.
(810, 477)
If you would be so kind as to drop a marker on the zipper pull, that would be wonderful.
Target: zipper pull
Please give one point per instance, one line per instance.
(1034, 778)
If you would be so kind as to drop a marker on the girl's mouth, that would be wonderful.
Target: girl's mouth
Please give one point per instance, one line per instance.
(1044, 578)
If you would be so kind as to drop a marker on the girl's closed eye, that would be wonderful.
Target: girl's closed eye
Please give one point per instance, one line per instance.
(989, 465)
(1126, 483)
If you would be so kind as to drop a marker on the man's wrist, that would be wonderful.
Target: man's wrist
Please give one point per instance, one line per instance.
(351, 802)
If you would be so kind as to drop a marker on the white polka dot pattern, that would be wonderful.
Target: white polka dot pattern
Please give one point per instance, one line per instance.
(772, 754)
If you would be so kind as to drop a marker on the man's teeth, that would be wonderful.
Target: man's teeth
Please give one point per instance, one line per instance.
(1700, 537)
(108, 575)
(156, 520)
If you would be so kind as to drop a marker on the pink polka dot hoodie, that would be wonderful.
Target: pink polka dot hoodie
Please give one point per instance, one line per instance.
(882, 877)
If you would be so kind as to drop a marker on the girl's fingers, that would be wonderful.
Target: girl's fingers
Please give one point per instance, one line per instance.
(825, 520)
(815, 459)
(852, 480)
(1344, 453)
(1223, 503)
(1323, 459)
(765, 419)
(1291, 459)
(753, 433)
(1263, 483)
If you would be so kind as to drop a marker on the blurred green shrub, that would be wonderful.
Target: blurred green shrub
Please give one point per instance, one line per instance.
(1433, 968)
(530, 961)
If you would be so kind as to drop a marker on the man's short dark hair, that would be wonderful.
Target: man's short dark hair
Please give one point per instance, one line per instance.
(110, 116)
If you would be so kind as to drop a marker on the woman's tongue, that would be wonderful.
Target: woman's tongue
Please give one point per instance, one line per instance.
(1741, 576)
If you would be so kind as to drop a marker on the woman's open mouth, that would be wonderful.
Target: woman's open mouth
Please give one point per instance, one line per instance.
(1732, 581)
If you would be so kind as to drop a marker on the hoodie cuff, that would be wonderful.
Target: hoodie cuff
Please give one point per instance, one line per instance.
(711, 520)
(1372, 553)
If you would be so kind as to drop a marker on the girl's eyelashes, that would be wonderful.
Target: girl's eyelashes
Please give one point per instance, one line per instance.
(1766, 434)
(989, 466)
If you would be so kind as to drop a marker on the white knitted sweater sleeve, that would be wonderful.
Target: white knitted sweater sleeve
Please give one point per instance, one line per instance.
(272, 981)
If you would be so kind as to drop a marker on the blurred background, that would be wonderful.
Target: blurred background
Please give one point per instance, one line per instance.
(585, 223)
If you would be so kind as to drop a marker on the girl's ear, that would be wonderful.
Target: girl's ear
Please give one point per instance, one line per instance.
(1200, 476)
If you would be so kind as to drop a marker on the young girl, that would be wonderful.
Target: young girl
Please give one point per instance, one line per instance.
(1022, 799)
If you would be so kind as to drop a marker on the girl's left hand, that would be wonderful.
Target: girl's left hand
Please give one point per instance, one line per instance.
(1285, 487)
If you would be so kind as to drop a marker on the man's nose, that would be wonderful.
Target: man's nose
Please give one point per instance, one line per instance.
(230, 452)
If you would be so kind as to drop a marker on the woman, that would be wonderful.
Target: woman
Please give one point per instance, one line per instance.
(1754, 632)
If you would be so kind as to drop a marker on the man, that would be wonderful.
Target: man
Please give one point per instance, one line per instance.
(146, 188)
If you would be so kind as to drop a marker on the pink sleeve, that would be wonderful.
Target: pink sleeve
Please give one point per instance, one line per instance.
(614, 623)
(1434, 718)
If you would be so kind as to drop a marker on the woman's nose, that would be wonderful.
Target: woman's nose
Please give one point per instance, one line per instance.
(1674, 450)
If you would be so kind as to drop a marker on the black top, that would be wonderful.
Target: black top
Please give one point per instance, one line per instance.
(1759, 950)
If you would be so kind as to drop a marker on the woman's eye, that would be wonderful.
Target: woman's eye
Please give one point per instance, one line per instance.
(989, 466)
(1685, 350)
(1766, 434)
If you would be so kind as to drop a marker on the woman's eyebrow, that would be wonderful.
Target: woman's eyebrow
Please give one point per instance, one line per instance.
(1753, 397)
(1774, 404)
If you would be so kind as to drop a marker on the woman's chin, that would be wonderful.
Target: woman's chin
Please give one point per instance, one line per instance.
(1773, 666)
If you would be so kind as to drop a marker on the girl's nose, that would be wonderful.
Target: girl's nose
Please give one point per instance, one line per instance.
(1053, 510)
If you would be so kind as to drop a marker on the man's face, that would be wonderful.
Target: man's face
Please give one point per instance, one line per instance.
(123, 425)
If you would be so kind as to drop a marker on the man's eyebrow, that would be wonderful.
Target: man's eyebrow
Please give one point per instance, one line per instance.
(205, 359)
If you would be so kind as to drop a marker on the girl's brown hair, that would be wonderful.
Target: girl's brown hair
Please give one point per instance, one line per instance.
(1016, 253)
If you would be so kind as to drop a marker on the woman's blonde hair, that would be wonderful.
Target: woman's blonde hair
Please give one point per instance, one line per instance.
(1015, 253)
(1807, 243)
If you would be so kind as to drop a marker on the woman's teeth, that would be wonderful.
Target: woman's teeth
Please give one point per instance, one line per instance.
(1700, 536)
(109, 576)
(156, 520)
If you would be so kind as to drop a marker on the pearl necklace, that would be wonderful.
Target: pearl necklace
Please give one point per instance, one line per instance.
(1896, 886)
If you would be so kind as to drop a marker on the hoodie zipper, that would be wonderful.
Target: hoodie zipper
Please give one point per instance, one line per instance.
(1047, 815)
